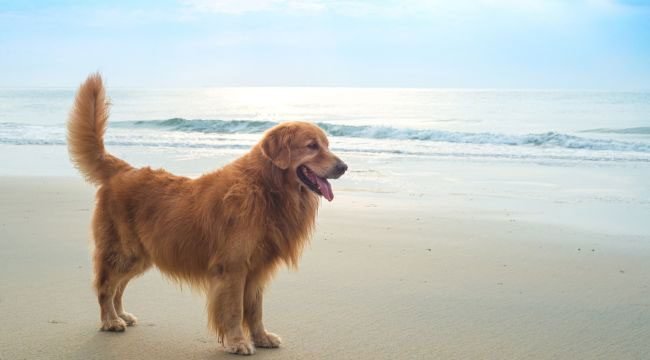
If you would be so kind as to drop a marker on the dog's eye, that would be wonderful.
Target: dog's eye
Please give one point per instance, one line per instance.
(313, 146)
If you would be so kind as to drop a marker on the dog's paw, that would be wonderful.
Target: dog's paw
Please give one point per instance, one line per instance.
(240, 347)
(117, 325)
(267, 340)
(130, 319)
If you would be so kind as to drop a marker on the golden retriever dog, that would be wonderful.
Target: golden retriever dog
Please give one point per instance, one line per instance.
(225, 232)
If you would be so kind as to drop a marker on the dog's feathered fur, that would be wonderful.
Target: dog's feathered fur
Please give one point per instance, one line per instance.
(224, 232)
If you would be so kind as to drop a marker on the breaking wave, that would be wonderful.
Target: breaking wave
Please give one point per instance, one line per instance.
(242, 134)
(546, 139)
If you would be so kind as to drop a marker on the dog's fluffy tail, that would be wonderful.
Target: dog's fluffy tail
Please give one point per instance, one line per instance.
(86, 127)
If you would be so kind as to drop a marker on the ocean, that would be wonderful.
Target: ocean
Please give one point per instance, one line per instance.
(588, 149)
(494, 124)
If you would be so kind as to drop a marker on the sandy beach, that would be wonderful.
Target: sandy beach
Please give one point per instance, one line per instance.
(384, 278)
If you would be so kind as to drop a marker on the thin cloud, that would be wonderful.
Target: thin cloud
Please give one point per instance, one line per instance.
(240, 7)
(635, 3)
(364, 7)
(403, 8)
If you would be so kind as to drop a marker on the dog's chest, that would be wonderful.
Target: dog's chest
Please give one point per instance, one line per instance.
(286, 233)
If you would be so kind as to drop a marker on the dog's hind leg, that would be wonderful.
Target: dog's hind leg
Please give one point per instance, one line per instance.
(113, 272)
(129, 318)
(106, 283)
(113, 269)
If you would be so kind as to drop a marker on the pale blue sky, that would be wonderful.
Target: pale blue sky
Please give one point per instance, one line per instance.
(592, 44)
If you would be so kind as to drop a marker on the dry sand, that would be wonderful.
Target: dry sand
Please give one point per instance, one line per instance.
(384, 278)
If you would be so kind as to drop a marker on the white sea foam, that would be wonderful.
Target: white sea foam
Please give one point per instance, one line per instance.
(641, 130)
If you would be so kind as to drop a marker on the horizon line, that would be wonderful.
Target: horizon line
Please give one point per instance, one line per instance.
(451, 88)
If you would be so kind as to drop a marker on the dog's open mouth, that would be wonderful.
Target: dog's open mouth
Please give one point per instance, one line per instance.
(315, 183)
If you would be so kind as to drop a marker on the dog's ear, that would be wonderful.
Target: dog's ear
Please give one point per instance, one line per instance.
(276, 146)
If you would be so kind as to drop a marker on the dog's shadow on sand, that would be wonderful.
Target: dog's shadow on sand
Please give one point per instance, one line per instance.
(140, 342)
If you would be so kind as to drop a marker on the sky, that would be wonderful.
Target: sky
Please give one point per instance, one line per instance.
(511, 44)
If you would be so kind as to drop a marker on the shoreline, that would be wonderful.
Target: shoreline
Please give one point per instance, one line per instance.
(379, 280)
(612, 198)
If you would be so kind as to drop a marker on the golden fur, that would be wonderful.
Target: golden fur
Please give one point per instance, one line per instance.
(225, 232)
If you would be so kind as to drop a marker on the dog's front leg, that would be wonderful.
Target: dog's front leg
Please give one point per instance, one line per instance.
(253, 298)
(226, 309)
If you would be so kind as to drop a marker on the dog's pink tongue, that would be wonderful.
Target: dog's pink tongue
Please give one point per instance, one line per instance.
(325, 188)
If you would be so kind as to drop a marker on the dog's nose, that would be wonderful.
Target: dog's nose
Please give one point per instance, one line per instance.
(341, 168)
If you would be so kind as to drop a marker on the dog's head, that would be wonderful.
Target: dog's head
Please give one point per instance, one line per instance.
(302, 149)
